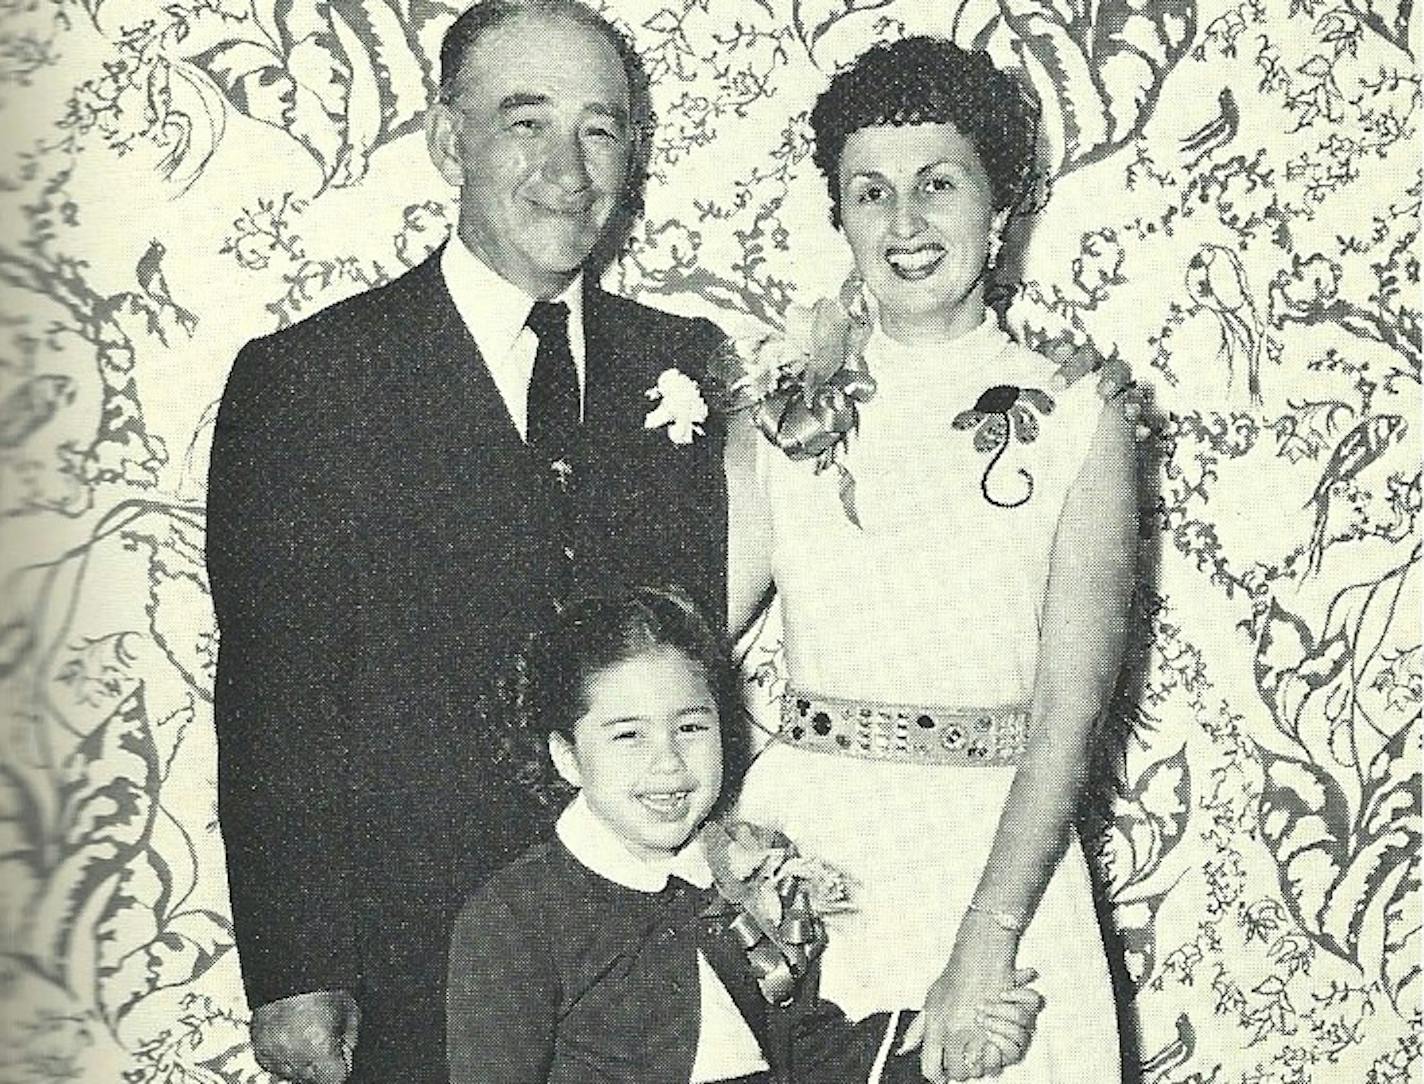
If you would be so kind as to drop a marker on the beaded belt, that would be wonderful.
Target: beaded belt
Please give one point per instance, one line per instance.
(967, 737)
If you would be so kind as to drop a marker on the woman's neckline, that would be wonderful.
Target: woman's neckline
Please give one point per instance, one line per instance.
(942, 351)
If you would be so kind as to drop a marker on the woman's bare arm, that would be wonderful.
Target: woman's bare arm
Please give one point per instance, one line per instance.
(1090, 586)
(748, 527)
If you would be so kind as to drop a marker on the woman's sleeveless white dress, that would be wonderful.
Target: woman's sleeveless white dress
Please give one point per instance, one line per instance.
(936, 600)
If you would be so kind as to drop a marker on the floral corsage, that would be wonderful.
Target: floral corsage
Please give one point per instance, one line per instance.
(805, 387)
(678, 404)
(776, 898)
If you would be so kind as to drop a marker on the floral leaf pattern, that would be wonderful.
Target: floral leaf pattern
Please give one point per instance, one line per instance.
(106, 788)
(1106, 64)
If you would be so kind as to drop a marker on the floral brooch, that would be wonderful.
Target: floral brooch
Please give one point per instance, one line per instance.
(805, 388)
(678, 405)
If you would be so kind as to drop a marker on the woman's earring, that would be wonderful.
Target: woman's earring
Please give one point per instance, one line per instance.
(996, 245)
(853, 298)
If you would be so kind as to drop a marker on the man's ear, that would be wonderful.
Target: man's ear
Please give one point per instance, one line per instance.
(561, 752)
(442, 139)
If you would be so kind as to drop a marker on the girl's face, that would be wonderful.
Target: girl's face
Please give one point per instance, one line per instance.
(648, 752)
(917, 210)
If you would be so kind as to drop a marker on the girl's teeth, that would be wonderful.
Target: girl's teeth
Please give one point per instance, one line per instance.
(664, 803)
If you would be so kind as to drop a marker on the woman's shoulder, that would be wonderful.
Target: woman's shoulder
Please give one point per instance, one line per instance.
(1027, 368)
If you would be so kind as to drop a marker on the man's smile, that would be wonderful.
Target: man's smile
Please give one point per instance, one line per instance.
(577, 206)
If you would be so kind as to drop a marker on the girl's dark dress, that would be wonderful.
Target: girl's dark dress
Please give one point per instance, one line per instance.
(560, 975)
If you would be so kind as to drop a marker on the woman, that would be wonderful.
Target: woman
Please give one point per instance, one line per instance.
(953, 591)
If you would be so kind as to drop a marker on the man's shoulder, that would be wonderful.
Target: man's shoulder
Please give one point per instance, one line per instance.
(368, 313)
(651, 340)
(336, 344)
(656, 325)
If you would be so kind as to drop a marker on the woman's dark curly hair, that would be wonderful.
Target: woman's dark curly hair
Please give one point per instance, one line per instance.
(926, 80)
(545, 691)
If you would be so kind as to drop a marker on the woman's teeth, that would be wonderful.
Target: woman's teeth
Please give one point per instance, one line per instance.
(915, 263)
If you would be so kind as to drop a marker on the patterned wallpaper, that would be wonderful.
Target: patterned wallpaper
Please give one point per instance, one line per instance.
(1234, 208)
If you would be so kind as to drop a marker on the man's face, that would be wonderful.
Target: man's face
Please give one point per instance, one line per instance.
(538, 138)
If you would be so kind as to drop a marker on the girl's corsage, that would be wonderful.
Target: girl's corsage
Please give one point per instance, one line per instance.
(805, 387)
(777, 898)
(679, 406)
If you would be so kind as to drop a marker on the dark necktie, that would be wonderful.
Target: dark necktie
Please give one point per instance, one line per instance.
(553, 388)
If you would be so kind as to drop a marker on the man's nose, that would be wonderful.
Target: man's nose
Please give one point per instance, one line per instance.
(566, 166)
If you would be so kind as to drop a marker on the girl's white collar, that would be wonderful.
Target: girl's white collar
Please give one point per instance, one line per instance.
(599, 848)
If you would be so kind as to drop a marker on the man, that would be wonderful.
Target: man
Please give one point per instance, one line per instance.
(399, 485)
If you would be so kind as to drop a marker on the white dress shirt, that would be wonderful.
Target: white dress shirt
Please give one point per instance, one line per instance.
(726, 1047)
(495, 311)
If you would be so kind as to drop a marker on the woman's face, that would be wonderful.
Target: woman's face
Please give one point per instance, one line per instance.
(917, 209)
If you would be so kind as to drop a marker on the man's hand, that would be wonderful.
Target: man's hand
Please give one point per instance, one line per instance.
(307, 1038)
(1115, 383)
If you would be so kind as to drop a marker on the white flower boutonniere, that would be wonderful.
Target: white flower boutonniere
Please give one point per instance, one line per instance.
(679, 406)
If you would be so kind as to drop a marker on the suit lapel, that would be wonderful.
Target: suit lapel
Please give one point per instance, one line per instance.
(607, 368)
(451, 365)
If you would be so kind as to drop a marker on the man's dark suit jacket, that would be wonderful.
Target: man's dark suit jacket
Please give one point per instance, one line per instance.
(378, 537)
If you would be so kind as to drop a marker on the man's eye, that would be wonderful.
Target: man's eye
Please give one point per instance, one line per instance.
(870, 194)
(940, 184)
(526, 125)
(602, 133)
(625, 735)
(695, 727)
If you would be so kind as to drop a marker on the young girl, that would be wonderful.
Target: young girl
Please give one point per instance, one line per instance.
(613, 953)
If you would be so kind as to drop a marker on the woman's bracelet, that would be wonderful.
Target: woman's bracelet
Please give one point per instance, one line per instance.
(1005, 920)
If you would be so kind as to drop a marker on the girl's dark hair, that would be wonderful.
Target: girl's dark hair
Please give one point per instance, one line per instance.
(486, 15)
(926, 80)
(545, 691)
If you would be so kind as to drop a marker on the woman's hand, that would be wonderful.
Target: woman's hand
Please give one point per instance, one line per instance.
(975, 1019)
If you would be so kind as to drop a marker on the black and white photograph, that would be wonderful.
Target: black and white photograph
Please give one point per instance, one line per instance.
(710, 542)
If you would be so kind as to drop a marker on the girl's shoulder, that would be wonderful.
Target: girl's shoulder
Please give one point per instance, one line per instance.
(540, 877)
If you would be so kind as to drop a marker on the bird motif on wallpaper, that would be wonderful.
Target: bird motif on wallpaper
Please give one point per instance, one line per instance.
(153, 300)
(154, 285)
(1357, 449)
(1217, 132)
(1216, 281)
(1172, 1056)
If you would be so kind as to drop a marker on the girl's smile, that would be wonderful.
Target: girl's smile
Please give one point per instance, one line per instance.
(647, 752)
